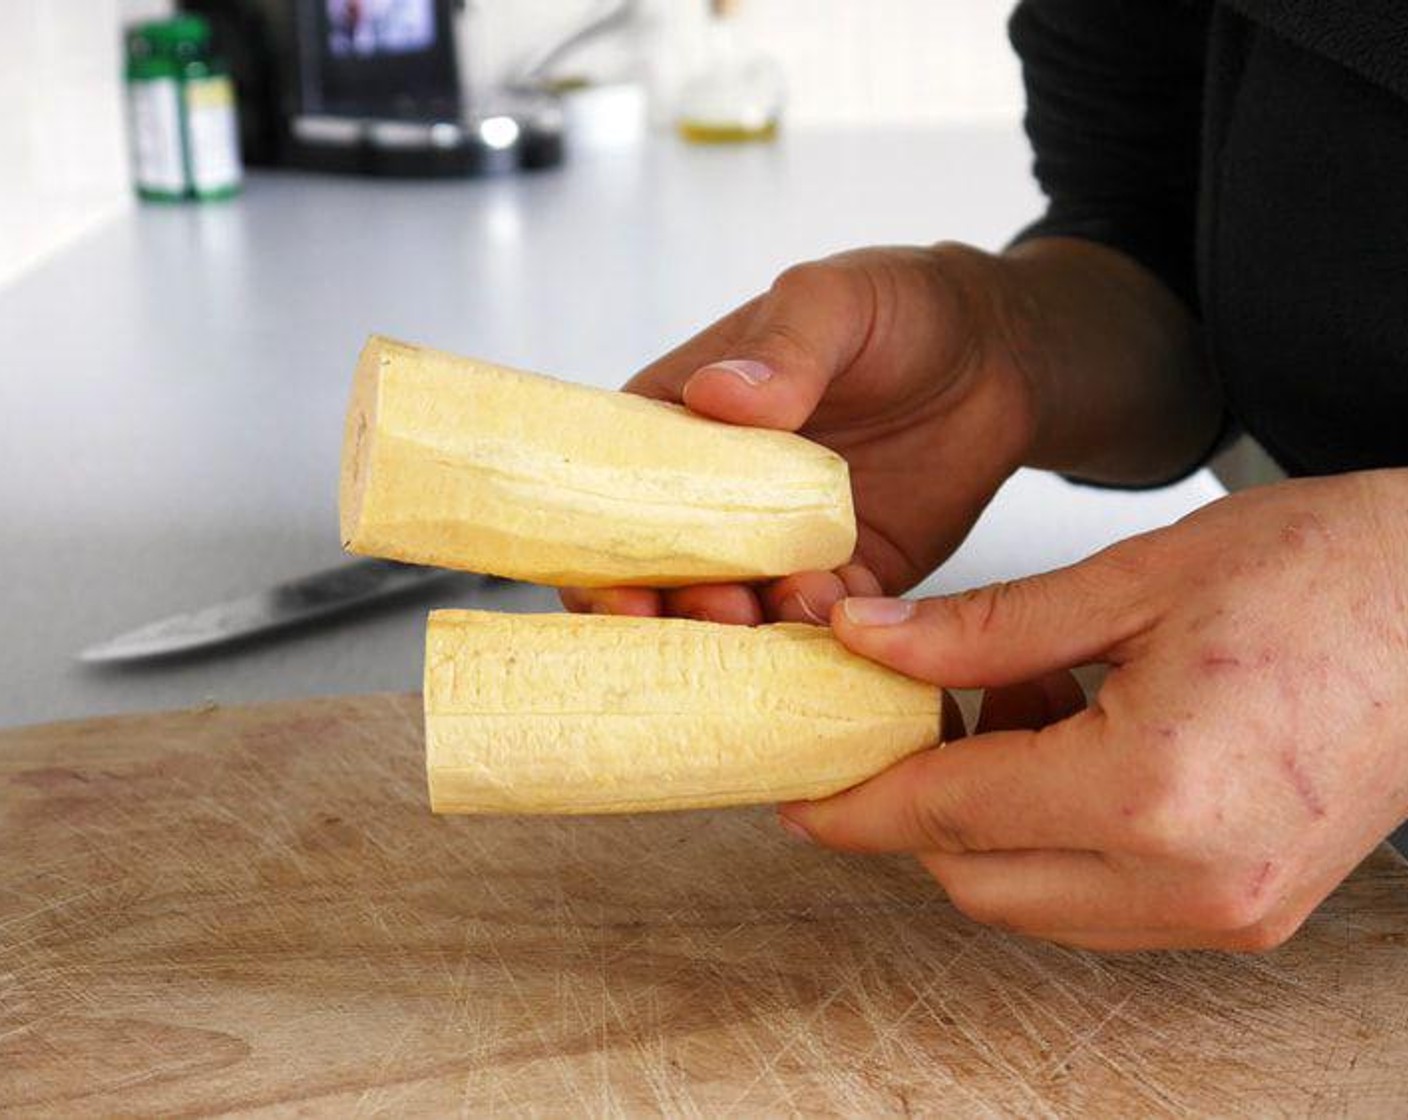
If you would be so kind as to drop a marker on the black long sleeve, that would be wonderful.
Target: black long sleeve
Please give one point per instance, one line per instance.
(1114, 113)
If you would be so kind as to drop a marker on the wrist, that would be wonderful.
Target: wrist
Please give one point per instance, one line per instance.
(1120, 387)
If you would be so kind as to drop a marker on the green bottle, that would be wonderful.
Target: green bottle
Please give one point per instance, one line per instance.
(154, 119)
(170, 62)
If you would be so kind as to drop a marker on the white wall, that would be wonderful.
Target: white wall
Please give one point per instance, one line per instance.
(891, 61)
(847, 61)
(880, 62)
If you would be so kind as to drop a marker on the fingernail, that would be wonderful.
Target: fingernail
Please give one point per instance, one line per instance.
(807, 610)
(878, 611)
(750, 373)
(794, 830)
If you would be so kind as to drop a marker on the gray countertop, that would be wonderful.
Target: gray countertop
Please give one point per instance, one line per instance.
(173, 385)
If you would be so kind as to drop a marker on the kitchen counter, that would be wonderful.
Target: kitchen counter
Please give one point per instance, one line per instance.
(173, 385)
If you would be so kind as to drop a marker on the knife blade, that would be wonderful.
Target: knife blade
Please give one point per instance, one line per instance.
(322, 595)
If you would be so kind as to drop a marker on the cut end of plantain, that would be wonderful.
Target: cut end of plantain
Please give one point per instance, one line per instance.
(465, 464)
(566, 713)
(357, 437)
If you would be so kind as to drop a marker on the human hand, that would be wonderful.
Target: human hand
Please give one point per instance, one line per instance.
(898, 359)
(1246, 750)
(935, 373)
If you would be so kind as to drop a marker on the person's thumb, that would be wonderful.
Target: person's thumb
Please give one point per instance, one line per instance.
(1005, 632)
(793, 342)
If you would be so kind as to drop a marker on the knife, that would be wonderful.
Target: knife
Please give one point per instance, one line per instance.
(322, 595)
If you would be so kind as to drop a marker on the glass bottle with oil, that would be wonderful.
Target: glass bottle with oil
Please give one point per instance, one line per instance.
(738, 94)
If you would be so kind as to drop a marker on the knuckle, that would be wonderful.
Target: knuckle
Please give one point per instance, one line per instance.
(1130, 569)
(1135, 558)
(974, 903)
(784, 343)
(932, 822)
(1262, 937)
(810, 280)
(1224, 906)
(978, 611)
(950, 808)
(1169, 809)
(958, 255)
(1161, 829)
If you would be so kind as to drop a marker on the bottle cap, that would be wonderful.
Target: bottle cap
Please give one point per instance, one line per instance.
(168, 36)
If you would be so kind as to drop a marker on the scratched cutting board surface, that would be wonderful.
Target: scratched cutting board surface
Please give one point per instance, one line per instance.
(252, 910)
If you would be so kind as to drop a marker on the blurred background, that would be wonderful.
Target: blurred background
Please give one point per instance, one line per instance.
(207, 205)
(883, 64)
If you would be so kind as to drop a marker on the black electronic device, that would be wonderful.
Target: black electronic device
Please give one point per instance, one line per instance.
(387, 59)
(370, 87)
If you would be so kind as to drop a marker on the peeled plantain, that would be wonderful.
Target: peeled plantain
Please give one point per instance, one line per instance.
(464, 464)
(565, 713)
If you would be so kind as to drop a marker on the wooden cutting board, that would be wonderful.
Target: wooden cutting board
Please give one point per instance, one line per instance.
(252, 910)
